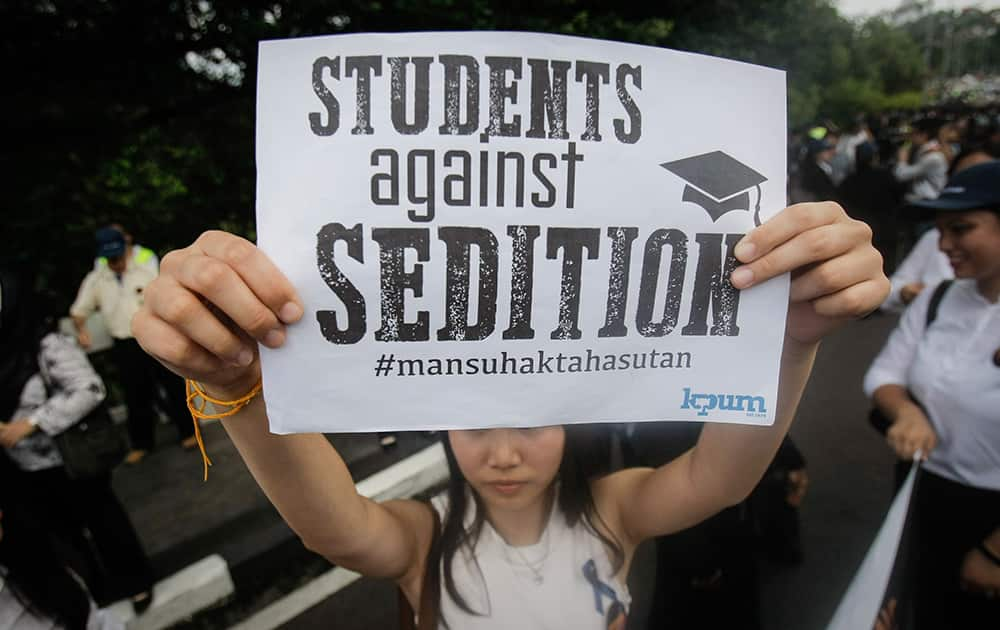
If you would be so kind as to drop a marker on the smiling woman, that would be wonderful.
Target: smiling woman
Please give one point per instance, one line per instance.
(939, 384)
(971, 241)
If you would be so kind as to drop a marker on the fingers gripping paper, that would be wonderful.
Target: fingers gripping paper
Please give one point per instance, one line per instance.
(516, 229)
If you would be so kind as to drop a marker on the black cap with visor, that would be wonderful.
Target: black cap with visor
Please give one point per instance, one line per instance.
(974, 188)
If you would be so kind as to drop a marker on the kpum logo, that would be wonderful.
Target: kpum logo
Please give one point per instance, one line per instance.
(704, 403)
(718, 183)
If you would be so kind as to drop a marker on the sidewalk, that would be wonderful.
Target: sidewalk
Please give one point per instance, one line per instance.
(220, 543)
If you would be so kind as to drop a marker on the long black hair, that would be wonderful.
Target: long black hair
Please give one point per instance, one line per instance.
(585, 456)
(35, 575)
(19, 336)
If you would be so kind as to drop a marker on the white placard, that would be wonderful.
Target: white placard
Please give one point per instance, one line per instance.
(867, 592)
(508, 229)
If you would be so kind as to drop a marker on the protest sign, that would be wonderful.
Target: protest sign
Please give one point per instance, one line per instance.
(874, 598)
(516, 229)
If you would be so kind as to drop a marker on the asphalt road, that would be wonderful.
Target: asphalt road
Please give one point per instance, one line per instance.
(850, 471)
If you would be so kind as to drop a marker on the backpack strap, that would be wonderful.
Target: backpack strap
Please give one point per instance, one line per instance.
(932, 308)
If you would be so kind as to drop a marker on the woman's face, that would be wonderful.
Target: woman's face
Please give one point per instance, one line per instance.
(971, 240)
(509, 468)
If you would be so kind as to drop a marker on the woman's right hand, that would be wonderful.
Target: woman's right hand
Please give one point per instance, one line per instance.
(910, 432)
(211, 304)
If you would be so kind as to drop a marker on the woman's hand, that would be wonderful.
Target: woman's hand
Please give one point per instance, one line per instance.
(210, 306)
(910, 292)
(911, 431)
(836, 273)
(980, 574)
(13, 432)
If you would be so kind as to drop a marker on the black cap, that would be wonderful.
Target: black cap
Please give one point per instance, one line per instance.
(973, 188)
(110, 242)
(717, 182)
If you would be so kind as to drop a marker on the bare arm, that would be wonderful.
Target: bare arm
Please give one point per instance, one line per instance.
(721, 470)
(309, 484)
(837, 275)
(303, 475)
(911, 429)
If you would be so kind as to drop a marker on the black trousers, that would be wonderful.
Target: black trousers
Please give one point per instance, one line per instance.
(141, 377)
(85, 519)
(949, 519)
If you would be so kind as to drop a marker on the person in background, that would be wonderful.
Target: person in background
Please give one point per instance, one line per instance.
(871, 194)
(117, 290)
(37, 590)
(47, 386)
(926, 265)
(922, 163)
(843, 162)
(816, 172)
(139, 255)
(707, 575)
(938, 383)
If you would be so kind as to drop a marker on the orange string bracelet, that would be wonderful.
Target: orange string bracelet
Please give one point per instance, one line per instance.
(195, 391)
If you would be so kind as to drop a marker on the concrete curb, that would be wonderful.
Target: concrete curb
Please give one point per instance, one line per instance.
(407, 478)
(209, 581)
(181, 595)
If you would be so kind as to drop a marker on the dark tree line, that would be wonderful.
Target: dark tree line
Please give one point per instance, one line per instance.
(143, 112)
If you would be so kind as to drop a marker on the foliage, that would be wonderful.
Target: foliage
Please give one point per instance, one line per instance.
(142, 112)
(958, 42)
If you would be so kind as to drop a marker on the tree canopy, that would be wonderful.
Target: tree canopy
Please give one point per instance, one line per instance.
(143, 112)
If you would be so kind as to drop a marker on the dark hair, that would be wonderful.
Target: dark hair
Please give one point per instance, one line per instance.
(864, 156)
(36, 576)
(928, 126)
(20, 332)
(583, 459)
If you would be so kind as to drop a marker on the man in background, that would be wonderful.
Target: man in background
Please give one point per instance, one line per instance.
(115, 288)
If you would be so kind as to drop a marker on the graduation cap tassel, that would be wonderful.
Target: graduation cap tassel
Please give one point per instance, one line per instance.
(756, 212)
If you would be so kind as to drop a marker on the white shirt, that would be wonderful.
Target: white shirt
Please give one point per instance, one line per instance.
(117, 296)
(925, 263)
(927, 175)
(74, 390)
(500, 581)
(949, 369)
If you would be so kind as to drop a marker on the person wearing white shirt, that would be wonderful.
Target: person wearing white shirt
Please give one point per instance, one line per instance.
(939, 385)
(922, 163)
(116, 289)
(925, 266)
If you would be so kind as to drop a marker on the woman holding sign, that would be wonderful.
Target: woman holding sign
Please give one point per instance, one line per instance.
(938, 380)
(523, 527)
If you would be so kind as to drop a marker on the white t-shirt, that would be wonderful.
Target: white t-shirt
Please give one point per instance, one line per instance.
(950, 370)
(117, 296)
(576, 587)
(925, 263)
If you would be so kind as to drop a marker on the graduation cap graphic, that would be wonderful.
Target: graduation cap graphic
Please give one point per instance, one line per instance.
(718, 183)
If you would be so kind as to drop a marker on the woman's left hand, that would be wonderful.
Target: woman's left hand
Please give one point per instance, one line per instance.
(980, 574)
(13, 432)
(836, 273)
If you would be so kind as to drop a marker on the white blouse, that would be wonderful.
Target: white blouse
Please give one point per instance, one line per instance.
(925, 264)
(951, 370)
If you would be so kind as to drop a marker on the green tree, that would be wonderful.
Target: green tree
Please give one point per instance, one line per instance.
(143, 112)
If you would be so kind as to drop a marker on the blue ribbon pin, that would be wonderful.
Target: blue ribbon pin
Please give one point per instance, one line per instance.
(601, 589)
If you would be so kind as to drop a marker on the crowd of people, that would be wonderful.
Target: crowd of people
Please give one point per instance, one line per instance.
(525, 509)
(929, 186)
(879, 164)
